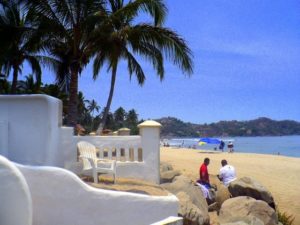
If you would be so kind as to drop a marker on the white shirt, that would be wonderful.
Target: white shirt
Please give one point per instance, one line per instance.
(227, 173)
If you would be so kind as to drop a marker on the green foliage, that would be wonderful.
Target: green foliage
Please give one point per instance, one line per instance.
(18, 42)
(285, 218)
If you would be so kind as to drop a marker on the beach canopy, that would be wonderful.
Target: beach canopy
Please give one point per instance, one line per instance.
(209, 141)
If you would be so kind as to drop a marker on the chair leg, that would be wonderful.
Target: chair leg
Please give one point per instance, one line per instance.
(114, 178)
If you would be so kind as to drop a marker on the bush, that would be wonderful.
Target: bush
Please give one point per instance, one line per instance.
(285, 218)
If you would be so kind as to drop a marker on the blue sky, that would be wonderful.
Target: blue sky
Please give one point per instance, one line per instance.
(246, 65)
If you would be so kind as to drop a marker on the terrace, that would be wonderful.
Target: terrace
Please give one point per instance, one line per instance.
(44, 169)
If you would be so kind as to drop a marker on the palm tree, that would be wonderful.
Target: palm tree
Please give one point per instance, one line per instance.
(119, 117)
(18, 41)
(132, 121)
(28, 86)
(120, 39)
(67, 26)
(92, 106)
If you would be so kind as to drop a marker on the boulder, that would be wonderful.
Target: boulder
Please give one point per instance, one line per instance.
(191, 214)
(165, 167)
(248, 210)
(168, 176)
(247, 186)
(222, 194)
(184, 184)
(248, 221)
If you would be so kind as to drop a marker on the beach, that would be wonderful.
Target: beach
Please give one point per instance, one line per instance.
(279, 174)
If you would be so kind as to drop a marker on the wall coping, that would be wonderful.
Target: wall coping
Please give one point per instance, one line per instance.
(149, 123)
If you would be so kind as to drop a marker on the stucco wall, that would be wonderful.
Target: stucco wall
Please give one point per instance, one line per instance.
(32, 129)
(60, 197)
(31, 134)
(15, 198)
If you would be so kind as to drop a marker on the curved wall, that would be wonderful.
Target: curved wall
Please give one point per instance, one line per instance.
(60, 197)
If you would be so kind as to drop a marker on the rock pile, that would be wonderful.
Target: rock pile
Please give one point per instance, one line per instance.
(247, 186)
(244, 202)
(193, 206)
(248, 210)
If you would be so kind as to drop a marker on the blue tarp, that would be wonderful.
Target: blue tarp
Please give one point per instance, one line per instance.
(210, 140)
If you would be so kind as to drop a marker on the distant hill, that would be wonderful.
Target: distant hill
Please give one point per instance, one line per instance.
(173, 127)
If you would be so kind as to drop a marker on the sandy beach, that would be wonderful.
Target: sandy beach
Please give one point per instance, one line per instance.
(279, 174)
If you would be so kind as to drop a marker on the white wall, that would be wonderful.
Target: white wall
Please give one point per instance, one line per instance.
(31, 134)
(33, 129)
(15, 198)
(60, 197)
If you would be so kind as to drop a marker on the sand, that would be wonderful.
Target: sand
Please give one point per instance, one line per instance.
(279, 174)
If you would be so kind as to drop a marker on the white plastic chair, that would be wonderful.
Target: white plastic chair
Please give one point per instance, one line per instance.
(88, 154)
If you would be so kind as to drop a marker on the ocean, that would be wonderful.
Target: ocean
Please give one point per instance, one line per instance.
(283, 145)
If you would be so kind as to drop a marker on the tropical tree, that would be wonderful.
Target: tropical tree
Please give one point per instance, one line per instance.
(92, 106)
(119, 117)
(120, 38)
(29, 85)
(132, 121)
(4, 85)
(68, 25)
(18, 41)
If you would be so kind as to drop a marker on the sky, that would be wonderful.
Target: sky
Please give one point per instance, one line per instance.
(246, 57)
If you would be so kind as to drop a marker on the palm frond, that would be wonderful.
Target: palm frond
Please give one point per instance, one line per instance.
(171, 44)
(98, 64)
(134, 68)
(156, 8)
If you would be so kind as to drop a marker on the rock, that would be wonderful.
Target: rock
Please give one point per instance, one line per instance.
(213, 207)
(165, 167)
(191, 214)
(168, 176)
(248, 210)
(247, 186)
(248, 221)
(184, 184)
(222, 195)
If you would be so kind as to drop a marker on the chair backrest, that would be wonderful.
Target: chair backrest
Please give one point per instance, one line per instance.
(87, 150)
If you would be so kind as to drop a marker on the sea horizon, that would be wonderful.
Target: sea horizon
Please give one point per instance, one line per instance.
(272, 145)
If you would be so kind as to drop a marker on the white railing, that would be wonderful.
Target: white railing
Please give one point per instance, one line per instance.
(137, 156)
(119, 148)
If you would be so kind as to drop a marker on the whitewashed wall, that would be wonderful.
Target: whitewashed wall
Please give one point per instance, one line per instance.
(60, 197)
(31, 134)
(29, 126)
(15, 198)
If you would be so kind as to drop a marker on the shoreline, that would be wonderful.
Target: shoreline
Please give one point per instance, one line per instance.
(226, 152)
(279, 174)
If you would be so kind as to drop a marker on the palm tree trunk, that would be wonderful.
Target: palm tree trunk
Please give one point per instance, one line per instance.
(109, 100)
(73, 99)
(15, 79)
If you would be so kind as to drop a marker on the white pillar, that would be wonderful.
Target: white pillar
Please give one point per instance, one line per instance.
(150, 135)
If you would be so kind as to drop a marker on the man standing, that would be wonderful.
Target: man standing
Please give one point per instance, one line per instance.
(203, 173)
(227, 173)
(221, 146)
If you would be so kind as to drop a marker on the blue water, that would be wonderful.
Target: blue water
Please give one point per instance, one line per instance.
(284, 145)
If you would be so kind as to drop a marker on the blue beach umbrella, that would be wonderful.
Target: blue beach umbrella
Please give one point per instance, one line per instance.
(209, 140)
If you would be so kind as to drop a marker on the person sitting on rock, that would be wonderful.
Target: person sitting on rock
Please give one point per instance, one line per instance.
(207, 190)
(227, 173)
(203, 174)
